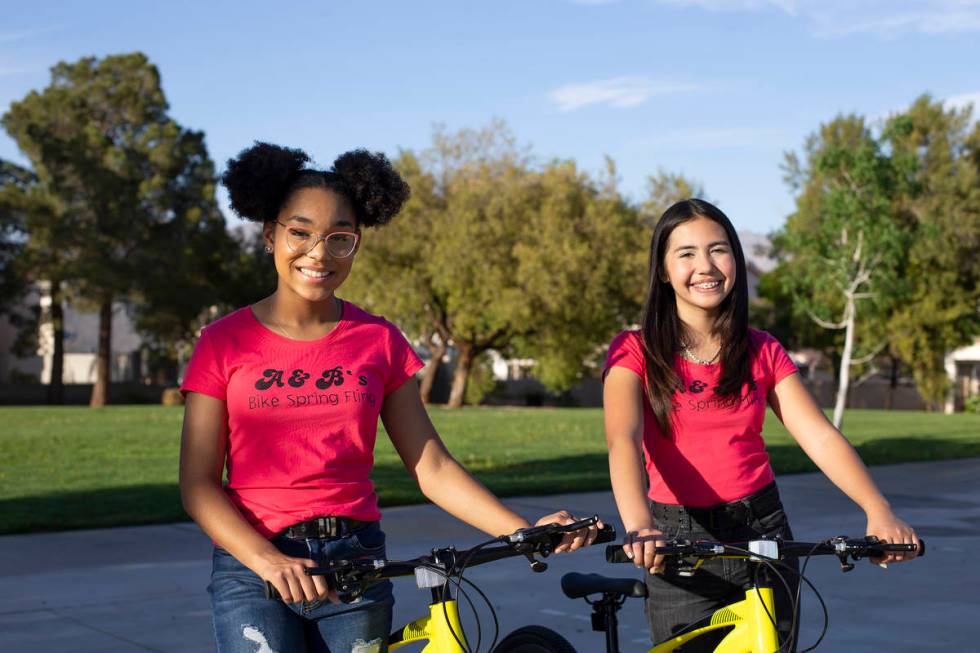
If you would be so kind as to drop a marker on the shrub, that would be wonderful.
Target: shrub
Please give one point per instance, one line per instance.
(972, 404)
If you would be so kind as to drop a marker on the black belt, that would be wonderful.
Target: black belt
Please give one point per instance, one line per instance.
(323, 527)
(722, 516)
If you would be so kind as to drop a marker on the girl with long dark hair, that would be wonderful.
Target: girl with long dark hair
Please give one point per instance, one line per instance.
(285, 395)
(686, 395)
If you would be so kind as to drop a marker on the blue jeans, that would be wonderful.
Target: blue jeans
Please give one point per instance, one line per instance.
(247, 622)
(677, 600)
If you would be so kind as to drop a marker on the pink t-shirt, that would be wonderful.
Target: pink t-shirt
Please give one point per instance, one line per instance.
(302, 415)
(716, 453)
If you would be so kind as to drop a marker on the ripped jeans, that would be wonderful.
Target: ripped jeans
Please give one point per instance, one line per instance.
(247, 622)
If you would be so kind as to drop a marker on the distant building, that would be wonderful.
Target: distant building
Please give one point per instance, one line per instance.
(963, 369)
(81, 346)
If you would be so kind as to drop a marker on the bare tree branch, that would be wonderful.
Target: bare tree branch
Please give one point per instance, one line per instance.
(825, 324)
(864, 377)
(869, 357)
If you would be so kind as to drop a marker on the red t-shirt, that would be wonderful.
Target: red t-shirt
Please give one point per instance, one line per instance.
(302, 415)
(716, 453)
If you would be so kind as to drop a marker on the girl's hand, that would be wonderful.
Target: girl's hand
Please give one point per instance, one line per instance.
(287, 575)
(640, 547)
(574, 540)
(889, 528)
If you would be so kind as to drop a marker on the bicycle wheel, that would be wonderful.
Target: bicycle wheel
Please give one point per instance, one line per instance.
(534, 639)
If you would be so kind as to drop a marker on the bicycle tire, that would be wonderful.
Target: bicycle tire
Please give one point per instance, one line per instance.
(534, 639)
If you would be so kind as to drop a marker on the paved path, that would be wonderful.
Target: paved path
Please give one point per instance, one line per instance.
(130, 590)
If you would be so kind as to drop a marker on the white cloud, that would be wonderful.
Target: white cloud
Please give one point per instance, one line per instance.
(886, 18)
(618, 92)
(962, 100)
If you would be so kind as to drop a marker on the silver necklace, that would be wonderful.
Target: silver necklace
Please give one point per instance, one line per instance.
(281, 329)
(691, 356)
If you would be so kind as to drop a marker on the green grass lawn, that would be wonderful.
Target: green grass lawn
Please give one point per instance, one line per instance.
(64, 468)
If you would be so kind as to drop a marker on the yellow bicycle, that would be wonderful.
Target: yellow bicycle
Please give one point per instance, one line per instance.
(750, 622)
(441, 572)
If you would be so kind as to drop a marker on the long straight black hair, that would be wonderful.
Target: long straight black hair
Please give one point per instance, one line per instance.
(663, 329)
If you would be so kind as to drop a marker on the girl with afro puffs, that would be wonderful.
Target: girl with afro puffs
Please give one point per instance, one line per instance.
(285, 395)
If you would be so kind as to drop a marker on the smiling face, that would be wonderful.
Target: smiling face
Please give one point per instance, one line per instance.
(315, 275)
(700, 267)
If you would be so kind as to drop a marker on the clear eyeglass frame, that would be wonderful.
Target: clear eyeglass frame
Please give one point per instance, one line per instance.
(338, 244)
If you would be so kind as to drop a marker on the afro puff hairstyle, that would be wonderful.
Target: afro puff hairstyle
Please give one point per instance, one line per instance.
(262, 178)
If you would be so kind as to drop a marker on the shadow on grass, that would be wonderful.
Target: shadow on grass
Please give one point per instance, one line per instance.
(155, 504)
(790, 459)
(579, 473)
(98, 508)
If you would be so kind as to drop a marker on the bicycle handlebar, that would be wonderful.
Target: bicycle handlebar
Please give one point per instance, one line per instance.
(349, 577)
(841, 546)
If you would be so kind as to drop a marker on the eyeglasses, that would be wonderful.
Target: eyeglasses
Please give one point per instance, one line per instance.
(339, 244)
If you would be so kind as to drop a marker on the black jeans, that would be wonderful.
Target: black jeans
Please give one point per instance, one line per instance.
(676, 600)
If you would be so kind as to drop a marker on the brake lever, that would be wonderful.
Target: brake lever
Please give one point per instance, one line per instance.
(537, 566)
(843, 553)
(524, 540)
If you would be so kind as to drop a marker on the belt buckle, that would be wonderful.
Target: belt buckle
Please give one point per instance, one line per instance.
(740, 513)
(326, 527)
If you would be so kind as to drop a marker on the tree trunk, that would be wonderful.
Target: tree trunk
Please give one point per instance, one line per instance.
(100, 390)
(56, 385)
(431, 369)
(461, 375)
(892, 384)
(845, 363)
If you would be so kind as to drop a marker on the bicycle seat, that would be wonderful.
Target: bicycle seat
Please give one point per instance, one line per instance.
(576, 586)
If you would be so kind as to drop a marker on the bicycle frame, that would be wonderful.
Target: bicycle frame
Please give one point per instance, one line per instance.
(752, 619)
(751, 622)
(438, 627)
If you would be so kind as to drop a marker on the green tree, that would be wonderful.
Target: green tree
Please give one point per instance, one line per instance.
(664, 189)
(495, 253)
(36, 238)
(843, 249)
(14, 180)
(136, 187)
(394, 276)
(939, 312)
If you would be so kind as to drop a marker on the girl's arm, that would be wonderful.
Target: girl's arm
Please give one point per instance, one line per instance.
(445, 482)
(202, 457)
(622, 400)
(838, 460)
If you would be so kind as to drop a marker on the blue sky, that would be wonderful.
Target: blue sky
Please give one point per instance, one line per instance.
(714, 89)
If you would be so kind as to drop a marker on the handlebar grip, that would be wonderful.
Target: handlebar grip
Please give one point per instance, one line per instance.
(920, 550)
(606, 534)
(615, 554)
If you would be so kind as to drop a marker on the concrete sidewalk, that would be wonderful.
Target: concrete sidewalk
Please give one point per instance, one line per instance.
(127, 590)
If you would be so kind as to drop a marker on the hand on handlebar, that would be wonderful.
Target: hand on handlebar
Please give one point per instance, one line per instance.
(641, 545)
(891, 530)
(575, 539)
(289, 578)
